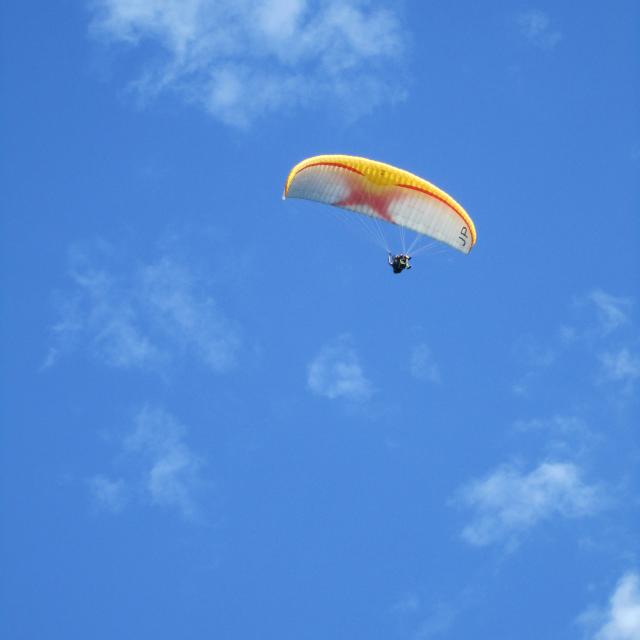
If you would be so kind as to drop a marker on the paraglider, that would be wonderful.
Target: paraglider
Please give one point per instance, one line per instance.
(399, 263)
(383, 192)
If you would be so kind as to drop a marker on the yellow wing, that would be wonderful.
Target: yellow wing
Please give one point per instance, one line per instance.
(383, 191)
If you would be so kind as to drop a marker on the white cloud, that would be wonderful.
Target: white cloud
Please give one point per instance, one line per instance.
(108, 494)
(533, 354)
(536, 357)
(621, 620)
(437, 624)
(561, 436)
(422, 364)
(50, 359)
(602, 333)
(560, 424)
(613, 312)
(185, 311)
(242, 58)
(427, 619)
(336, 373)
(144, 318)
(171, 471)
(621, 366)
(537, 27)
(408, 604)
(509, 502)
(161, 468)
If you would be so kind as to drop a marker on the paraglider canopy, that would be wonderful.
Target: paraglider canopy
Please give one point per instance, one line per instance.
(384, 192)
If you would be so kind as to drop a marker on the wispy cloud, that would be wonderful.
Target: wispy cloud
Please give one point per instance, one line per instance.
(621, 619)
(336, 373)
(422, 364)
(562, 434)
(109, 494)
(144, 317)
(536, 26)
(601, 315)
(437, 624)
(243, 58)
(171, 468)
(508, 502)
(409, 603)
(621, 366)
(613, 311)
(614, 337)
(534, 354)
(535, 357)
(425, 618)
(183, 308)
(162, 469)
(558, 424)
(602, 333)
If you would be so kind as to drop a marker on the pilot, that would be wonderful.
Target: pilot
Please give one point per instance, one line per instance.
(400, 262)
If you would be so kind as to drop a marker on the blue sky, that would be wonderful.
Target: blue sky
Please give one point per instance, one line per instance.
(223, 415)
